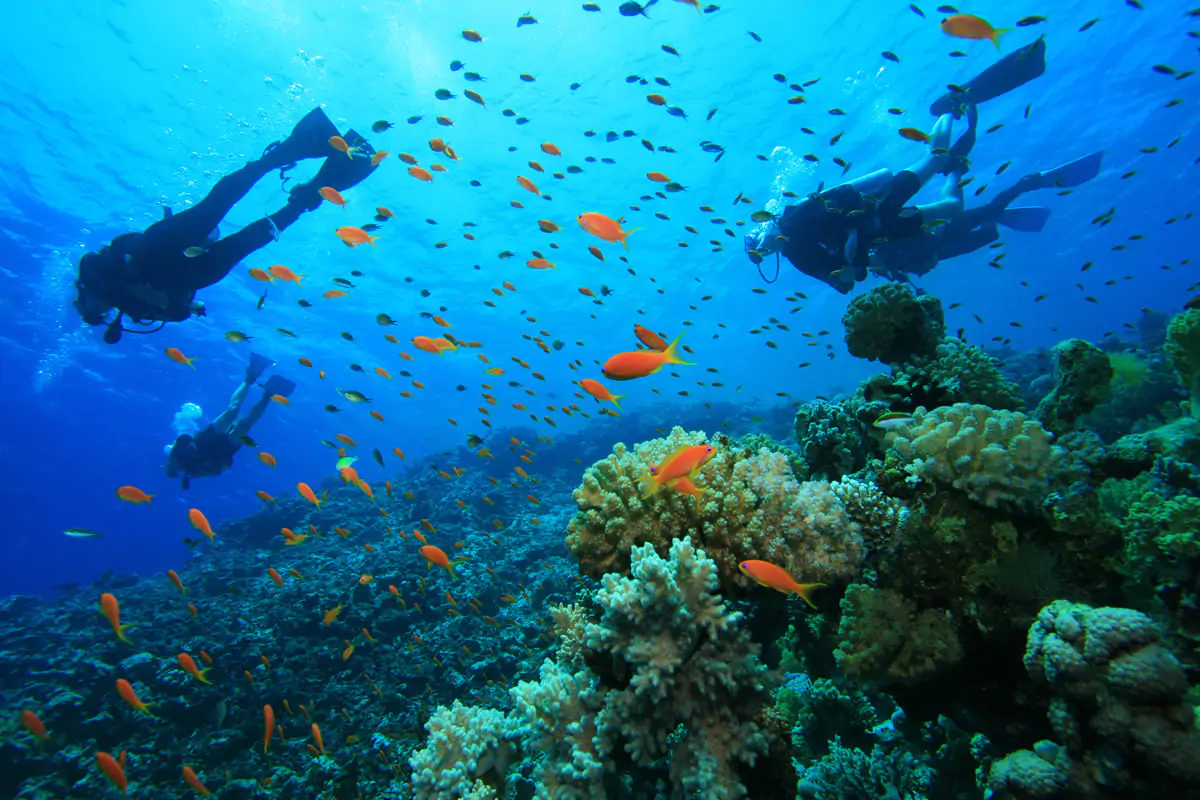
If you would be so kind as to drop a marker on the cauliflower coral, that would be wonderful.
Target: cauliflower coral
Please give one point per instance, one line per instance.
(892, 323)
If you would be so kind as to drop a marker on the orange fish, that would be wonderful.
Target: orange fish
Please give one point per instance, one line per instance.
(421, 174)
(437, 168)
(383, 211)
(683, 463)
(307, 493)
(334, 294)
(284, 274)
(658, 177)
(275, 576)
(189, 666)
(260, 274)
(472, 36)
(200, 522)
(649, 338)
(442, 344)
(316, 734)
(657, 99)
(551, 149)
(528, 185)
(332, 614)
(176, 355)
(598, 390)
(914, 135)
(547, 226)
(540, 263)
(192, 608)
(267, 459)
(115, 772)
(33, 724)
(189, 775)
(283, 401)
(295, 574)
(339, 144)
(766, 574)
(174, 576)
(380, 156)
(111, 610)
(269, 720)
(352, 236)
(266, 498)
(968, 26)
(435, 555)
(440, 321)
(693, 3)
(640, 363)
(332, 195)
(605, 228)
(426, 345)
(130, 696)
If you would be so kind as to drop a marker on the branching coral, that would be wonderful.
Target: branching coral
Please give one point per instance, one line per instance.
(892, 323)
(850, 772)
(993, 456)
(467, 754)
(1082, 375)
(753, 508)
(884, 639)
(882, 518)
(832, 441)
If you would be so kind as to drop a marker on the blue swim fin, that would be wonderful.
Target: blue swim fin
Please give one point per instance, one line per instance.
(1077, 172)
(1015, 69)
(1029, 220)
(278, 385)
(257, 366)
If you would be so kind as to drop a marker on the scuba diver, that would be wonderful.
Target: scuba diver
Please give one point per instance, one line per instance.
(210, 452)
(977, 227)
(152, 277)
(829, 235)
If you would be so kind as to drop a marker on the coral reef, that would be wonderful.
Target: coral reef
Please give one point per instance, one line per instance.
(881, 518)
(850, 772)
(752, 508)
(1183, 349)
(833, 441)
(995, 457)
(466, 755)
(892, 323)
(1082, 375)
(957, 372)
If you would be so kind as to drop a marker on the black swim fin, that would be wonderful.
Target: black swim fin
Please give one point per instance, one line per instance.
(309, 139)
(278, 385)
(1074, 173)
(1030, 219)
(257, 366)
(1015, 69)
(338, 172)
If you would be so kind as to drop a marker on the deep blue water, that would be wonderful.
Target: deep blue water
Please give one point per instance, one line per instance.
(111, 110)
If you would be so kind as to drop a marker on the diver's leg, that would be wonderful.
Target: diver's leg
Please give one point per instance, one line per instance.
(244, 425)
(968, 241)
(225, 420)
(224, 254)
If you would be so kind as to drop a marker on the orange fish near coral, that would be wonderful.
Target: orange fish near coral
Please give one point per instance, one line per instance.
(269, 721)
(640, 363)
(189, 666)
(435, 555)
(683, 463)
(605, 228)
(599, 391)
(111, 610)
(33, 724)
(766, 574)
(189, 775)
(174, 576)
(110, 767)
(200, 522)
(307, 493)
(125, 689)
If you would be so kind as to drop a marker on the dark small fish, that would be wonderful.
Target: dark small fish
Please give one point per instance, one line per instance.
(662, 148)
(947, 10)
(676, 111)
(1025, 22)
(460, 388)
(522, 120)
(474, 441)
(779, 76)
(629, 134)
(357, 368)
(1163, 69)
(955, 88)
(508, 112)
(675, 187)
(246, 440)
(890, 56)
(444, 94)
(710, 114)
(414, 120)
(424, 293)
(957, 54)
(304, 304)
(381, 126)
(574, 170)
(347, 337)
(332, 409)
(474, 77)
(378, 456)
(668, 49)
(356, 273)
(343, 281)
(476, 184)
(754, 36)
(612, 136)
(590, 7)
(912, 7)
(262, 301)
(662, 81)
(455, 66)
(575, 86)
(371, 226)
(633, 9)
(711, 8)
(632, 78)
(607, 161)
(1088, 24)
(525, 76)
(526, 19)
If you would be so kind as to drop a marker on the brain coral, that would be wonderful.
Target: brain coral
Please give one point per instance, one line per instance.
(993, 456)
(752, 508)
(892, 323)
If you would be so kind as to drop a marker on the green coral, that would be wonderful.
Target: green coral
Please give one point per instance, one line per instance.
(884, 638)
(892, 323)
(1083, 376)
(1183, 348)
(957, 372)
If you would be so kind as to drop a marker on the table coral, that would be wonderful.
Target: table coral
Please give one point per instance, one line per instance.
(752, 508)
(892, 323)
(993, 456)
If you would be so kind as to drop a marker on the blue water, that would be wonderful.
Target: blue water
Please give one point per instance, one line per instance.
(113, 110)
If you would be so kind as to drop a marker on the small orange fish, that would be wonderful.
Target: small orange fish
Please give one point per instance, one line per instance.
(284, 274)
(178, 357)
(421, 174)
(192, 780)
(547, 226)
(33, 724)
(540, 263)
(528, 185)
(266, 498)
(111, 610)
(334, 294)
(332, 614)
(267, 459)
(599, 391)
(472, 36)
(112, 768)
(352, 236)
(260, 274)
(769, 575)
(914, 135)
(551, 149)
(604, 227)
(192, 609)
(275, 576)
(316, 733)
(269, 720)
(130, 696)
(200, 522)
(174, 576)
(332, 195)
(968, 26)
(435, 555)
(640, 363)
(189, 666)
(658, 177)
(656, 99)
(339, 144)
(379, 156)
(649, 338)
(283, 401)
(307, 493)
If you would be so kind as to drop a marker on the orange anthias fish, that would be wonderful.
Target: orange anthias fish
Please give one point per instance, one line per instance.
(189, 775)
(332, 614)
(914, 135)
(683, 463)
(599, 391)
(111, 610)
(260, 274)
(109, 766)
(968, 26)
(766, 574)
(174, 576)
(435, 555)
(420, 173)
(339, 144)
(551, 149)
(267, 459)
(307, 493)
(352, 236)
(269, 720)
(189, 666)
(284, 274)
(528, 185)
(640, 363)
(607, 229)
(200, 522)
(380, 156)
(176, 355)
(332, 195)
(125, 689)
(33, 724)
(649, 338)
(132, 494)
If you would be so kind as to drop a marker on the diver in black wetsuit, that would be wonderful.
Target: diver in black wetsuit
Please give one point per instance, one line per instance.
(829, 235)
(153, 276)
(210, 452)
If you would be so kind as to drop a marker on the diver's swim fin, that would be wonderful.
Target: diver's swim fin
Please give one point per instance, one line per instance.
(1077, 172)
(257, 366)
(1030, 219)
(1015, 69)
(278, 385)
(309, 139)
(338, 172)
